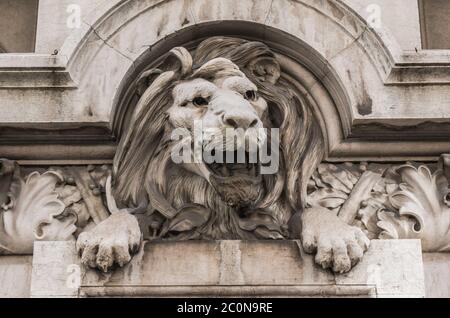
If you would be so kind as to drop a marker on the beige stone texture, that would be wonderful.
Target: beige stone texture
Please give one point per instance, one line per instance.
(437, 274)
(53, 29)
(401, 17)
(15, 276)
(55, 270)
(232, 268)
(15, 273)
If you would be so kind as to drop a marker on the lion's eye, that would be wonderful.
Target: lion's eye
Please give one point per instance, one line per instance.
(251, 95)
(200, 101)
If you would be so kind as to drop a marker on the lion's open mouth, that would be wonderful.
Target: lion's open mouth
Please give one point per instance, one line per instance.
(238, 183)
(234, 165)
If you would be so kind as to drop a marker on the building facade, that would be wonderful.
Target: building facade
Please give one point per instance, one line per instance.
(357, 92)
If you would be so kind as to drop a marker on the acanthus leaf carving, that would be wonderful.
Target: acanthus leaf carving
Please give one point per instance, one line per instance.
(331, 185)
(422, 210)
(410, 201)
(53, 204)
(368, 213)
(36, 215)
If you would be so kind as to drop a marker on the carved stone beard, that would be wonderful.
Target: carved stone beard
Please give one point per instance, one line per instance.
(232, 207)
(185, 189)
(238, 191)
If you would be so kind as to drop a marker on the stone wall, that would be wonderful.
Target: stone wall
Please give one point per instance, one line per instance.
(52, 23)
(231, 268)
(15, 274)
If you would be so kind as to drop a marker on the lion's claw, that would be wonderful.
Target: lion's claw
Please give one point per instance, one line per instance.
(112, 241)
(337, 245)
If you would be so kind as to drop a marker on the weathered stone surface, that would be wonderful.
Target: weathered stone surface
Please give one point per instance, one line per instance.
(437, 274)
(52, 26)
(404, 27)
(54, 264)
(15, 276)
(394, 266)
(227, 268)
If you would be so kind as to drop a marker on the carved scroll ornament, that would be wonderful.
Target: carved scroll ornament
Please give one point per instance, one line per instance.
(409, 201)
(47, 205)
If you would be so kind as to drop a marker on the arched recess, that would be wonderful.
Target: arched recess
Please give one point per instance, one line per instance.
(336, 58)
(301, 67)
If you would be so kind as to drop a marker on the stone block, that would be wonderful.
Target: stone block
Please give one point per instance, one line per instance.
(230, 269)
(55, 270)
(15, 276)
(437, 274)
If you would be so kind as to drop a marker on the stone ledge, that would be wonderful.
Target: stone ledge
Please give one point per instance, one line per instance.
(273, 291)
(437, 274)
(231, 269)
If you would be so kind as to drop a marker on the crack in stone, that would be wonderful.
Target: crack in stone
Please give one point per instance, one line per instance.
(105, 41)
(111, 46)
(269, 11)
(191, 12)
(355, 40)
(91, 28)
(326, 71)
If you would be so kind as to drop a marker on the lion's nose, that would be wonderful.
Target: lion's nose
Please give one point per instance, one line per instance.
(239, 121)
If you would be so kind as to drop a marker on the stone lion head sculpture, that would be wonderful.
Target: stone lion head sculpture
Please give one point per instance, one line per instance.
(226, 83)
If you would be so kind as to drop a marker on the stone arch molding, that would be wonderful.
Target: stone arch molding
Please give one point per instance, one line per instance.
(344, 67)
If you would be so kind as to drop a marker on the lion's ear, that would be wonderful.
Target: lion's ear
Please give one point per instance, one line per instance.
(266, 69)
(146, 79)
(179, 61)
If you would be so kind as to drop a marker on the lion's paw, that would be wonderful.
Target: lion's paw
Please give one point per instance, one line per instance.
(337, 245)
(113, 241)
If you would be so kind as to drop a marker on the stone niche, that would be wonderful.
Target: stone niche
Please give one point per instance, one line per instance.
(229, 269)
